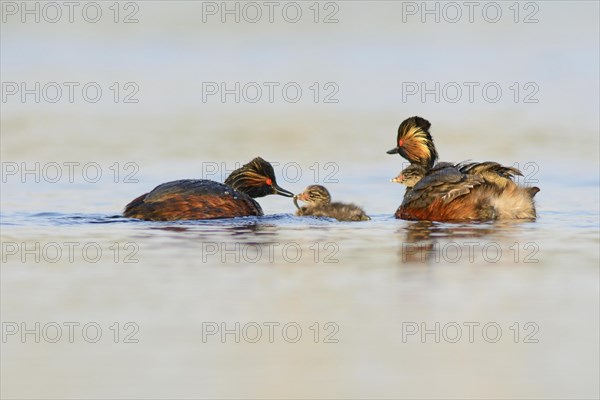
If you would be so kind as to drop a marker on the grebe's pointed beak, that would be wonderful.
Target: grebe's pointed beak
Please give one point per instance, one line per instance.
(296, 202)
(401, 151)
(282, 192)
(396, 179)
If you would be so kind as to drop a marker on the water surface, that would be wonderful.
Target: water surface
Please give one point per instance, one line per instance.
(383, 308)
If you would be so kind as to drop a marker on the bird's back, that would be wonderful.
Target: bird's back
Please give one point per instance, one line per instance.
(192, 199)
(468, 191)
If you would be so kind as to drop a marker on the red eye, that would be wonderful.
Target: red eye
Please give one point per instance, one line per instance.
(401, 143)
(269, 182)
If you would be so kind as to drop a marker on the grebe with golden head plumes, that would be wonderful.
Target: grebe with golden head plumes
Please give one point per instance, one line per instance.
(414, 142)
(455, 192)
(205, 199)
(319, 205)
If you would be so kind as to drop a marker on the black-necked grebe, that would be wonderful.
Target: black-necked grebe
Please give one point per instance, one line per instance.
(204, 199)
(319, 205)
(455, 192)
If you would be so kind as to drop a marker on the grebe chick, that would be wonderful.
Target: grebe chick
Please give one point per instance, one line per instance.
(204, 199)
(455, 192)
(319, 205)
(410, 175)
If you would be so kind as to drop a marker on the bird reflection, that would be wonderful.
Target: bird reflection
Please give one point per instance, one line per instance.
(426, 242)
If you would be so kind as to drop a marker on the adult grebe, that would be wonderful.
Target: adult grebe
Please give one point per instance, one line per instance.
(205, 199)
(455, 192)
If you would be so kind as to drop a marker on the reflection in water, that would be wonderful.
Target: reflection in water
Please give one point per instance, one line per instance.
(246, 233)
(428, 242)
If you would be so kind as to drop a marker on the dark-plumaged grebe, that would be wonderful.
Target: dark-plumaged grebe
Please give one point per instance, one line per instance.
(455, 192)
(319, 204)
(204, 199)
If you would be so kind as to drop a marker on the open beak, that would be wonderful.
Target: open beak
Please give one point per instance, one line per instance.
(396, 179)
(282, 192)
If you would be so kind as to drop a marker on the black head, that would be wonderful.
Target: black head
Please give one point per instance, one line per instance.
(256, 179)
(414, 142)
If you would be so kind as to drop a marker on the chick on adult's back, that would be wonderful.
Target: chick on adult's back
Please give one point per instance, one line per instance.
(455, 192)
